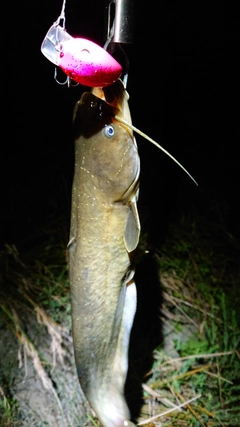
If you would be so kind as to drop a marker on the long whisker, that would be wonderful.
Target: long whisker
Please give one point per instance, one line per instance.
(155, 143)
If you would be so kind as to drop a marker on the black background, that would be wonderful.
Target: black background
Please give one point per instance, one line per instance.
(183, 86)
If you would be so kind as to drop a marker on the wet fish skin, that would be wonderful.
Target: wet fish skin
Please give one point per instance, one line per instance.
(104, 233)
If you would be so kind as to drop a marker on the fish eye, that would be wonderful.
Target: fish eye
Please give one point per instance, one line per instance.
(109, 131)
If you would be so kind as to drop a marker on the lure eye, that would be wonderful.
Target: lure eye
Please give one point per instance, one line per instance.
(109, 131)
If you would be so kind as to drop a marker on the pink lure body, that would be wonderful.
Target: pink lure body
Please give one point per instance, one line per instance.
(87, 63)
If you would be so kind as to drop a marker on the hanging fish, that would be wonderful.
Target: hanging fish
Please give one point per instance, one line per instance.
(104, 232)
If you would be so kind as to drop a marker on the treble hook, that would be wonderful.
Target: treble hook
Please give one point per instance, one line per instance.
(60, 83)
(68, 81)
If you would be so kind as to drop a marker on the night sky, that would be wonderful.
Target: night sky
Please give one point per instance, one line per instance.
(183, 86)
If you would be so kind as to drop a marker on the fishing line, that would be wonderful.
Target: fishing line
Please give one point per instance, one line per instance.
(62, 15)
(157, 145)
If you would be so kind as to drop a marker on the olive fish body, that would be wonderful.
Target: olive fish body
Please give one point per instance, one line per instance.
(104, 231)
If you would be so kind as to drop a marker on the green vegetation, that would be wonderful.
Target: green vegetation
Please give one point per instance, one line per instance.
(207, 365)
(8, 410)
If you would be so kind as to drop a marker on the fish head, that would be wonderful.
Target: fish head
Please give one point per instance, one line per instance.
(110, 150)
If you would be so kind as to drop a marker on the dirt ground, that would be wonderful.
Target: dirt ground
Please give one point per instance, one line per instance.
(52, 400)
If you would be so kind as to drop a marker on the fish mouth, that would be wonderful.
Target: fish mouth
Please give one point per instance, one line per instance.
(117, 97)
(101, 107)
(113, 94)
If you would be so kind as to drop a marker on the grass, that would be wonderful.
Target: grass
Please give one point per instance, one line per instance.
(208, 363)
(207, 368)
(198, 384)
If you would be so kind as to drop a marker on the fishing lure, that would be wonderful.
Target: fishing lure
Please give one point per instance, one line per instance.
(81, 60)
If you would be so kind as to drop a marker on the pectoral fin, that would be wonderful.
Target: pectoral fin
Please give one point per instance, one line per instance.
(132, 231)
